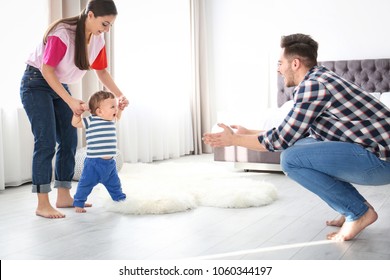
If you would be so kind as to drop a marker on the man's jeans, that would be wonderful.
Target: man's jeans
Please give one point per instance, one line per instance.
(50, 119)
(329, 169)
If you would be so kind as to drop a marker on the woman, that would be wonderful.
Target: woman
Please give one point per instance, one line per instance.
(71, 47)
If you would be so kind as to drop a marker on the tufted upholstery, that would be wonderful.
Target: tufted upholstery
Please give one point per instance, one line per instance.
(373, 75)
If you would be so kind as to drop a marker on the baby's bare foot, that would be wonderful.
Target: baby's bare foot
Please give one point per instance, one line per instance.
(80, 210)
(350, 229)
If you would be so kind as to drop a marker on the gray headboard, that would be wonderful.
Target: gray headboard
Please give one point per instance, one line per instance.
(373, 75)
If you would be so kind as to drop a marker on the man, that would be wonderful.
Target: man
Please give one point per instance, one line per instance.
(335, 135)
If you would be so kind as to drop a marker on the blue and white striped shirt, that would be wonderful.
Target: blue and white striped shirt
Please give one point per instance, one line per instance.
(330, 108)
(100, 136)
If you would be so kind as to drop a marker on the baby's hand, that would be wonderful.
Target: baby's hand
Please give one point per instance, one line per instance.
(121, 106)
(123, 103)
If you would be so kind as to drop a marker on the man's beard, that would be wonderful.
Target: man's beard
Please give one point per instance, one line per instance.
(289, 82)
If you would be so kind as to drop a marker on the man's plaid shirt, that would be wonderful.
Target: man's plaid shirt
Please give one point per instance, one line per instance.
(328, 107)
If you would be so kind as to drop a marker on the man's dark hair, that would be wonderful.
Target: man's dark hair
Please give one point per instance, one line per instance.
(301, 46)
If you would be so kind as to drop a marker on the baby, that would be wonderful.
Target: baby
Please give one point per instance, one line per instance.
(99, 165)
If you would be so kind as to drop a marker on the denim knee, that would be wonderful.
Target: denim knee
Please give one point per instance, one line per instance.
(286, 159)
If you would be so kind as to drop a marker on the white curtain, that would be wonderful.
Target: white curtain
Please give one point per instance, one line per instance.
(201, 107)
(2, 181)
(16, 142)
(153, 68)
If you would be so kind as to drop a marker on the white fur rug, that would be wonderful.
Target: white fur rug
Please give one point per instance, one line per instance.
(173, 187)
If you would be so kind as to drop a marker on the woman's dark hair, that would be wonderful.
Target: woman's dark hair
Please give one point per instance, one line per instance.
(300, 45)
(97, 98)
(99, 8)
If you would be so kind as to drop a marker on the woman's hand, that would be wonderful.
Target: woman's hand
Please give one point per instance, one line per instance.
(77, 106)
(220, 139)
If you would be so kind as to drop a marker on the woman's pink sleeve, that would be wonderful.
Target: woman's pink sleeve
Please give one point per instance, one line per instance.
(55, 50)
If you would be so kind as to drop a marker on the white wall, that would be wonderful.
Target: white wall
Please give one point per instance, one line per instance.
(2, 180)
(244, 37)
(344, 29)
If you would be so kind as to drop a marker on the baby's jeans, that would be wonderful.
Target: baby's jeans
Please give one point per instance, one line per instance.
(95, 171)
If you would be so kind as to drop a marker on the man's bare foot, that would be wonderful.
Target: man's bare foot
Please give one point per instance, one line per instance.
(80, 210)
(350, 229)
(340, 221)
(65, 200)
(336, 223)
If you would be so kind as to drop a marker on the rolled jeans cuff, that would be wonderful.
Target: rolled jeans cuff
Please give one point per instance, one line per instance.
(63, 184)
(45, 188)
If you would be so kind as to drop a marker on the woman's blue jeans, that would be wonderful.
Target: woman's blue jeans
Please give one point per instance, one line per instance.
(329, 169)
(50, 119)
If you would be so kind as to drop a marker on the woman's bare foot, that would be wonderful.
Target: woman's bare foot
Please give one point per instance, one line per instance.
(350, 229)
(45, 209)
(65, 200)
(80, 210)
(50, 213)
(336, 223)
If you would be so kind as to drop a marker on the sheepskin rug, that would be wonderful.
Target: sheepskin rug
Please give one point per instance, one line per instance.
(173, 187)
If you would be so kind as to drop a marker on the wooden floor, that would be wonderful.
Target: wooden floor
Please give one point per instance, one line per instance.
(291, 228)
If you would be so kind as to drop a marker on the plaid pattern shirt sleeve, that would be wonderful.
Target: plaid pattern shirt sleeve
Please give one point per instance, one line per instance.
(328, 107)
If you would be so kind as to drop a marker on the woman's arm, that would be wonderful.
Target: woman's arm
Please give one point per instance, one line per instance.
(106, 79)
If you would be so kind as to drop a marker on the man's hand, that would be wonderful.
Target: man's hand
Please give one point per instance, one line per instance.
(243, 130)
(220, 139)
(246, 138)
